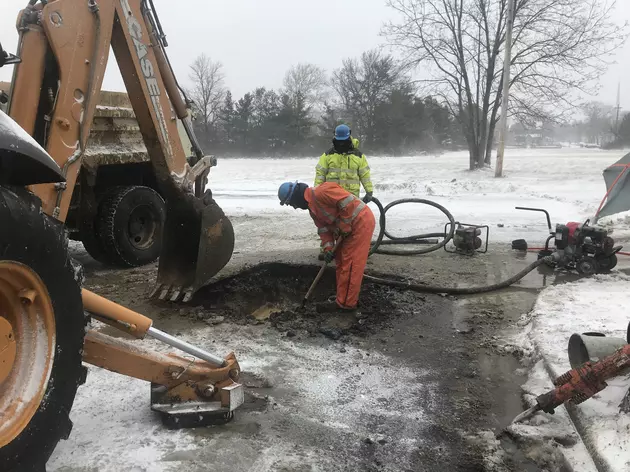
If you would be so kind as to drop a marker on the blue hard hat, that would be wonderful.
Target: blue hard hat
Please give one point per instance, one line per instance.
(342, 132)
(285, 192)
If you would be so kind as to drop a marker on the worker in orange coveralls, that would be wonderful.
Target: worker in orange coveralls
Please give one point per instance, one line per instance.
(336, 211)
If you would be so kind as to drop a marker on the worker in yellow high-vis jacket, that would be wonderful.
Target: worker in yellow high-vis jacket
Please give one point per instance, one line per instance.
(345, 165)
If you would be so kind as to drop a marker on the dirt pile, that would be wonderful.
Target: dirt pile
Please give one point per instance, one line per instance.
(273, 293)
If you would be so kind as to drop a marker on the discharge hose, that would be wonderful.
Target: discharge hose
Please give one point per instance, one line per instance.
(416, 287)
(421, 239)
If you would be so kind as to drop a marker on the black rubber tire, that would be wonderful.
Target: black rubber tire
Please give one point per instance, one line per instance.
(38, 241)
(607, 263)
(94, 246)
(115, 211)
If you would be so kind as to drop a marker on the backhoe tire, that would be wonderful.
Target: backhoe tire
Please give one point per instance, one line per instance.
(32, 239)
(93, 245)
(130, 225)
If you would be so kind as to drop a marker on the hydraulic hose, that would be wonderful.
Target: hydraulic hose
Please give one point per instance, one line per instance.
(417, 239)
(422, 239)
(416, 287)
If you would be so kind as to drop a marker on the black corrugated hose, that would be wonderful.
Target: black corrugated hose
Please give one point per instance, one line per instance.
(416, 287)
(418, 239)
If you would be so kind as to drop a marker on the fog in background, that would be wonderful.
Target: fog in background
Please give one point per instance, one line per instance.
(258, 40)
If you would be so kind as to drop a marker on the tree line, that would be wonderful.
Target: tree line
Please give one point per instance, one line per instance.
(560, 48)
(373, 94)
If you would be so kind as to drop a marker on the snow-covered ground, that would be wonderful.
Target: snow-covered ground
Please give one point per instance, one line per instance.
(567, 182)
(597, 304)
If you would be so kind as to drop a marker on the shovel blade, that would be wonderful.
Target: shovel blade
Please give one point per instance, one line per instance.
(198, 241)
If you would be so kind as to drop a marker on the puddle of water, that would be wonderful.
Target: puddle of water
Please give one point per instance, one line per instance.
(264, 312)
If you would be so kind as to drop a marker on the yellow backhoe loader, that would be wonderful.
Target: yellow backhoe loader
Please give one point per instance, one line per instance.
(59, 67)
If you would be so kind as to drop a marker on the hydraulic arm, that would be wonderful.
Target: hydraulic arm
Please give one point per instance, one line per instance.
(64, 47)
(60, 63)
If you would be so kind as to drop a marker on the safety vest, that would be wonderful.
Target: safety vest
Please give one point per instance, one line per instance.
(333, 210)
(349, 170)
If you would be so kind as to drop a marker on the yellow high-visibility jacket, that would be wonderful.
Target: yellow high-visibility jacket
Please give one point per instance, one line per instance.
(350, 170)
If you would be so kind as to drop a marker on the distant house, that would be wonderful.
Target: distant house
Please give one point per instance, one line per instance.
(539, 135)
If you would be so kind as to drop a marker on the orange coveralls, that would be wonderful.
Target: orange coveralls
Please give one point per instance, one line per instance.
(335, 210)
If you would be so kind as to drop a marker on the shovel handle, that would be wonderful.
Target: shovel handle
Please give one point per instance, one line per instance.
(320, 273)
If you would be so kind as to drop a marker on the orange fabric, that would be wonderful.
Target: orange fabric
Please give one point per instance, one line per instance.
(335, 210)
(352, 257)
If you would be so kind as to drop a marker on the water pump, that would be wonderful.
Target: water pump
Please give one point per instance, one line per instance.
(579, 246)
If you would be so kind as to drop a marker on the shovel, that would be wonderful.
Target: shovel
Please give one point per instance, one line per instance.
(319, 275)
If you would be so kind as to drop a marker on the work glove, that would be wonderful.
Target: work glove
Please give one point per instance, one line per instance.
(329, 256)
(367, 198)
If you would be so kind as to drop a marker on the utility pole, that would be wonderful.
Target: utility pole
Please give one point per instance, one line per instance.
(618, 110)
(506, 88)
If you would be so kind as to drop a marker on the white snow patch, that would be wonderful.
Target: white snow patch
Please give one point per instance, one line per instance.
(567, 182)
(112, 412)
(618, 225)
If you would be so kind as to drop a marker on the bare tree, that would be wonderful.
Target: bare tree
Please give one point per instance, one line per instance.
(599, 124)
(365, 83)
(208, 90)
(307, 81)
(559, 50)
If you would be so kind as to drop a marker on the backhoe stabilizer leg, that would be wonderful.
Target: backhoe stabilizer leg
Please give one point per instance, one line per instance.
(186, 392)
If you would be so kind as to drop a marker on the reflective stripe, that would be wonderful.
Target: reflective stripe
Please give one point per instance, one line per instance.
(343, 181)
(318, 167)
(364, 170)
(350, 173)
(322, 230)
(356, 211)
(346, 201)
(328, 244)
(324, 212)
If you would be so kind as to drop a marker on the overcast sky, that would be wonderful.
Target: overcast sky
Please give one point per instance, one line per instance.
(258, 40)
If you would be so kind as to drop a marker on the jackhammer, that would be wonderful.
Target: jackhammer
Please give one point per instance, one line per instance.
(581, 383)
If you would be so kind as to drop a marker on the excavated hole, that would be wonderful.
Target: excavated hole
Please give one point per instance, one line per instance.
(272, 293)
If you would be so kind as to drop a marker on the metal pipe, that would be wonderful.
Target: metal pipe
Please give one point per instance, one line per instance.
(184, 346)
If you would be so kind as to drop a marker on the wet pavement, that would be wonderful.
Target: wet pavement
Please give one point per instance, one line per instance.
(417, 382)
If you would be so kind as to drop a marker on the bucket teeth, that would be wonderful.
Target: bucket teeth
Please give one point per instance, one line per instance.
(158, 288)
(171, 293)
(188, 296)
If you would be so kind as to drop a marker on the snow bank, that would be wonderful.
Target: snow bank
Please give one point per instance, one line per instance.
(598, 304)
(618, 225)
(567, 182)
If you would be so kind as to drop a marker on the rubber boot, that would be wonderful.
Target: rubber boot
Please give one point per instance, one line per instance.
(332, 307)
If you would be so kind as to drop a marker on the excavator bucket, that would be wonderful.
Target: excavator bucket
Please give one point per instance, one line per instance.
(197, 243)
